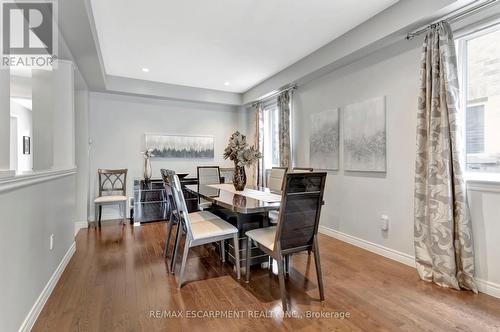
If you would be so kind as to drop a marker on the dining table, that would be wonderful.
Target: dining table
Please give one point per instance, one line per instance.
(247, 209)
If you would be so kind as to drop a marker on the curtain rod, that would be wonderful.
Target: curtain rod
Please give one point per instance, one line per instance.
(455, 15)
(274, 94)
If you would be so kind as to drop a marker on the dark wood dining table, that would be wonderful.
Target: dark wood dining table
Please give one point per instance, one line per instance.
(245, 210)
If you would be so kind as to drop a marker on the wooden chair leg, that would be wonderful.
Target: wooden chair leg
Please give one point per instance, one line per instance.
(281, 278)
(100, 215)
(247, 260)
(237, 255)
(176, 247)
(183, 264)
(318, 269)
(96, 212)
(167, 240)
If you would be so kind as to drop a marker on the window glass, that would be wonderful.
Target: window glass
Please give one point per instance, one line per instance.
(481, 65)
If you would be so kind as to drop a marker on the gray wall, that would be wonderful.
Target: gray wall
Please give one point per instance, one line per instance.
(29, 215)
(356, 201)
(118, 124)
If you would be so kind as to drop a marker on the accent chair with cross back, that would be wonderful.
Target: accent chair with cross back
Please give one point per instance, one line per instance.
(297, 227)
(112, 191)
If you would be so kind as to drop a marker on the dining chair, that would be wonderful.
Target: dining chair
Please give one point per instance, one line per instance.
(207, 175)
(297, 228)
(275, 180)
(275, 183)
(173, 218)
(112, 191)
(302, 169)
(201, 228)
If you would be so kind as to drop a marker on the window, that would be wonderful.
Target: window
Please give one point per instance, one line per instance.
(479, 56)
(271, 135)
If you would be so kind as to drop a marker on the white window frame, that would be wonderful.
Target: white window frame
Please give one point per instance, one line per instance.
(476, 181)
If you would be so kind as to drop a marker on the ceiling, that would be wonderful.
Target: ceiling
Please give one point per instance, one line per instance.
(220, 44)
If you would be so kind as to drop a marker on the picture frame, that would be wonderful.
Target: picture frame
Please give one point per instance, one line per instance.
(26, 145)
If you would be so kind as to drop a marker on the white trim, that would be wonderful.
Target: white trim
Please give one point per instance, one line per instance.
(32, 316)
(488, 287)
(24, 180)
(7, 173)
(80, 225)
(483, 186)
(370, 246)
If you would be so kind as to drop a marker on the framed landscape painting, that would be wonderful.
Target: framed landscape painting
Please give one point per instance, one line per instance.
(184, 147)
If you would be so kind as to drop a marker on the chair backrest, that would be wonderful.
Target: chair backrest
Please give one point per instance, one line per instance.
(302, 169)
(181, 204)
(112, 181)
(208, 175)
(300, 210)
(275, 182)
(166, 175)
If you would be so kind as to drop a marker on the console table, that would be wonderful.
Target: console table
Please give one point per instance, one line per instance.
(150, 200)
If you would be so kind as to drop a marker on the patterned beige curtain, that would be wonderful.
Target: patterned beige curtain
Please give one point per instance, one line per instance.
(284, 128)
(259, 144)
(443, 231)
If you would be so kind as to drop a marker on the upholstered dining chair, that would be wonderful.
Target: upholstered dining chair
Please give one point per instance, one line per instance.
(275, 183)
(297, 228)
(200, 227)
(207, 175)
(112, 191)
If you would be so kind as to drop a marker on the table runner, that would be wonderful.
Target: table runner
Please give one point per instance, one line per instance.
(251, 193)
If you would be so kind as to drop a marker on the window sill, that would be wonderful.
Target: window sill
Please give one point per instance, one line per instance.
(485, 182)
(27, 179)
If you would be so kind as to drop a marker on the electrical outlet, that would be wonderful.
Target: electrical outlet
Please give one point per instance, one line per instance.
(51, 242)
(384, 222)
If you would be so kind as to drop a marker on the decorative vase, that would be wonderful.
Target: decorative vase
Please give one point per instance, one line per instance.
(239, 178)
(147, 169)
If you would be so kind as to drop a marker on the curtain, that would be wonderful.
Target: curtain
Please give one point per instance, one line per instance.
(259, 144)
(284, 128)
(443, 231)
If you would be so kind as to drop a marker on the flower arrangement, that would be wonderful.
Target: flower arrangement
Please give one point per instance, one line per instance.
(148, 153)
(241, 154)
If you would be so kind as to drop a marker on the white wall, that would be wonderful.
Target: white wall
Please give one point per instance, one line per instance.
(24, 128)
(118, 124)
(355, 201)
(29, 216)
(82, 154)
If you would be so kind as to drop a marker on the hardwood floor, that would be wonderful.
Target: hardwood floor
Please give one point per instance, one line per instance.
(118, 276)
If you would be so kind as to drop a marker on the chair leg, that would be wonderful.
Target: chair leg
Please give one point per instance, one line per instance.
(318, 269)
(287, 265)
(222, 255)
(167, 240)
(176, 247)
(237, 255)
(281, 278)
(100, 215)
(183, 264)
(247, 260)
(125, 212)
(96, 212)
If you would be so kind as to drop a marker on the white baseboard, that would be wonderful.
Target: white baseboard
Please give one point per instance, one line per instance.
(484, 286)
(370, 246)
(79, 225)
(488, 287)
(32, 316)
